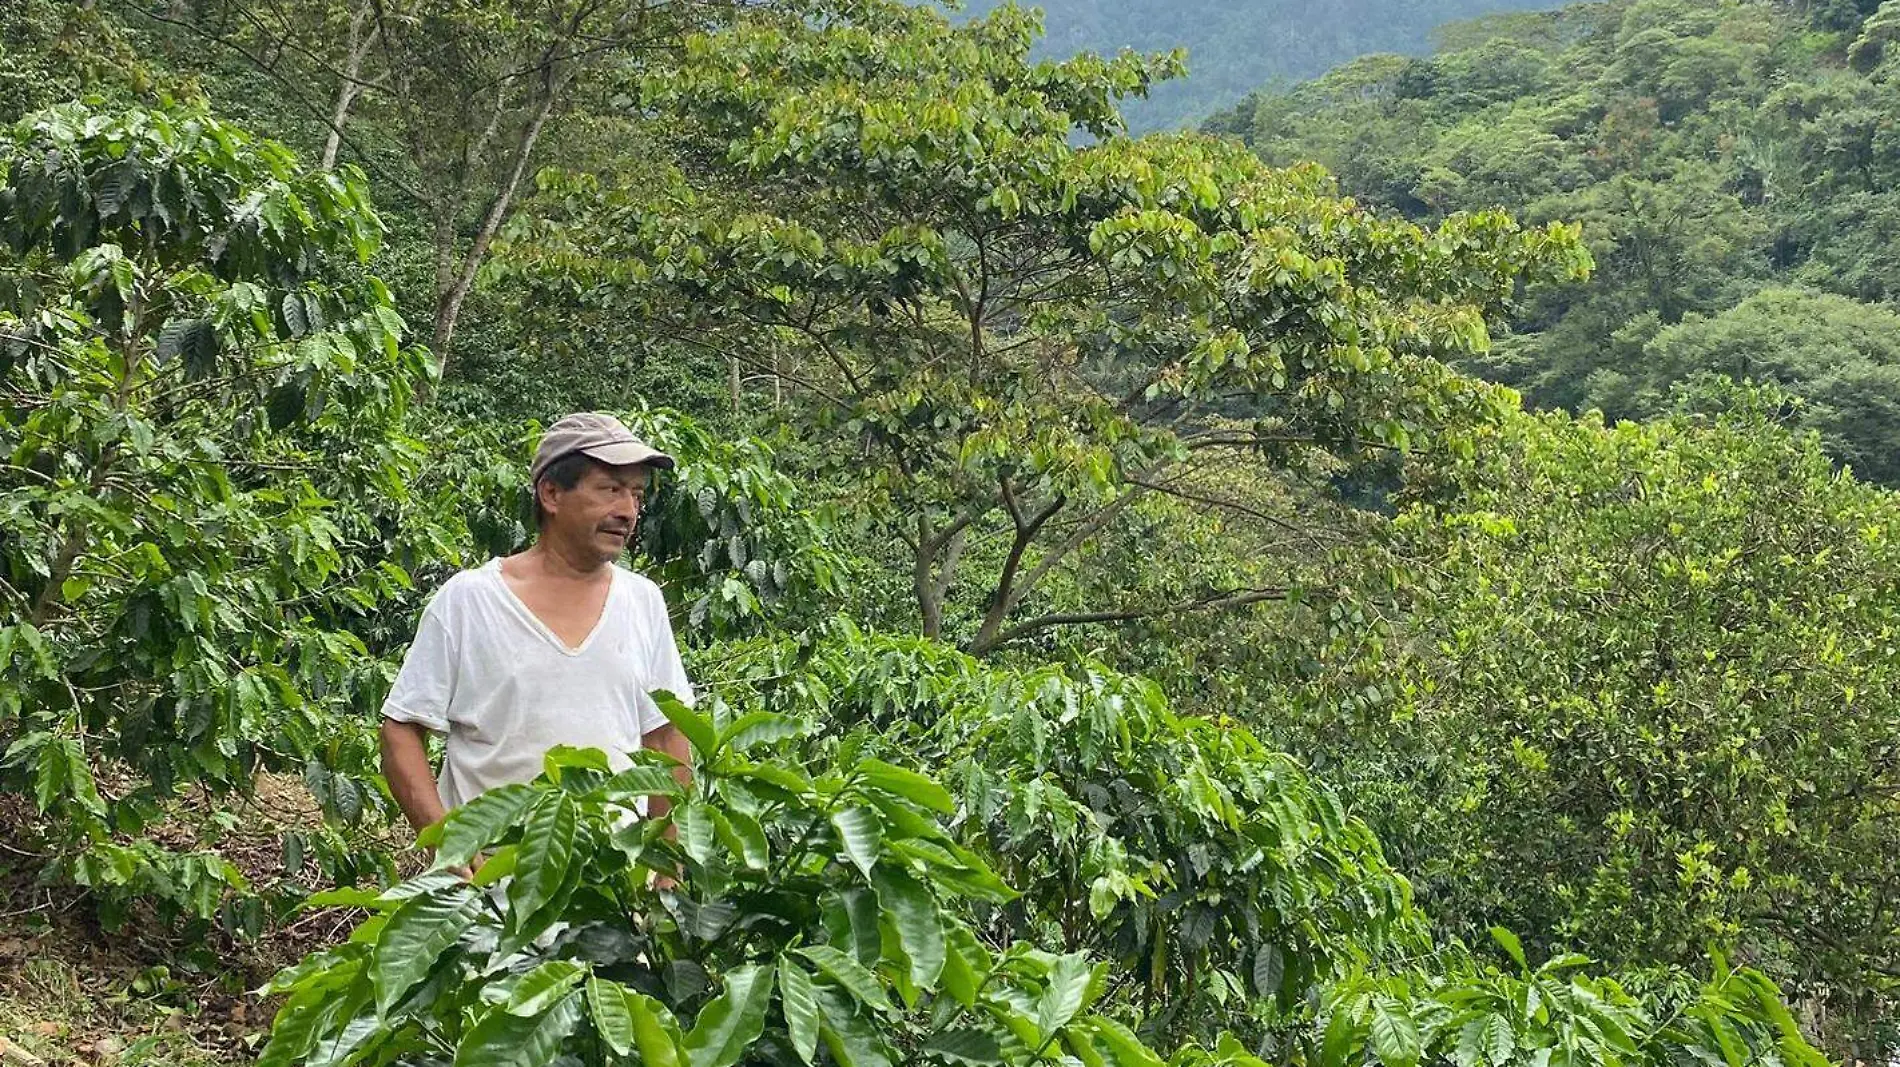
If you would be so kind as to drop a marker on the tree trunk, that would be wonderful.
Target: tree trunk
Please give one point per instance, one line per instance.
(351, 85)
(449, 304)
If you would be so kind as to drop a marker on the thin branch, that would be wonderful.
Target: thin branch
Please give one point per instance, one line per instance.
(1222, 602)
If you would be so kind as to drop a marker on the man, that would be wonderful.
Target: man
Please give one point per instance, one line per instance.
(557, 645)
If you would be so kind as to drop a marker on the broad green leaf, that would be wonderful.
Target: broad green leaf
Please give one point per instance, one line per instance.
(505, 1040)
(862, 835)
(1269, 967)
(300, 1024)
(849, 1036)
(758, 728)
(613, 1021)
(541, 987)
(908, 784)
(415, 937)
(631, 1022)
(564, 757)
(1065, 993)
(1512, 946)
(919, 922)
(481, 822)
(348, 897)
(639, 781)
(1498, 1041)
(1469, 1052)
(656, 1034)
(1394, 1035)
(851, 920)
(1125, 1049)
(743, 836)
(849, 973)
(976, 1048)
(798, 1003)
(695, 824)
(960, 978)
(697, 728)
(547, 849)
(732, 1021)
(1341, 1036)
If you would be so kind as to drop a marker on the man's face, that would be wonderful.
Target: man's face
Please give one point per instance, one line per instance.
(600, 511)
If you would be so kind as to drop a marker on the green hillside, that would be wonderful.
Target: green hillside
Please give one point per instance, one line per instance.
(1734, 169)
(1234, 46)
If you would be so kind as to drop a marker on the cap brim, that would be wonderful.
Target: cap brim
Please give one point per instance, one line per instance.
(629, 454)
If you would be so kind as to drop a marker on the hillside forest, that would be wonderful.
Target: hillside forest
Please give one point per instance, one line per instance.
(1407, 574)
(1232, 48)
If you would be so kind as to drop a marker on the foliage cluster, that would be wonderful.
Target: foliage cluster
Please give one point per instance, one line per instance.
(1646, 674)
(825, 913)
(1732, 165)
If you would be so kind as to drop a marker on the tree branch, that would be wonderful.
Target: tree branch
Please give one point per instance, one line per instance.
(1220, 602)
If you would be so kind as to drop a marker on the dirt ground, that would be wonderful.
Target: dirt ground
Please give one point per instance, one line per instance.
(73, 993)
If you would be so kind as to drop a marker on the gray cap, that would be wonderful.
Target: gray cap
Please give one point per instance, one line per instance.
(597, 436)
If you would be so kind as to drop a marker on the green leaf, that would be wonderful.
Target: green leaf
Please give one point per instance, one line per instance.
(613, 1020)
(1512, 946)
(541, 987)
(695, 824)
(481, 822)
(415, 937)
(862, 834)
(1394, 1035)
(848, 1035)
(918, 921)
(630, 1022)
(973, 1047)
(758, 728)
(1469, 1051)
(732, 1021)
(1498, 1040)
(849, 973)
(547, 850)
(908, 784)
(1065, 993)
(798, 1003)
(504, 1040)
(1269, 968)
(640, 781)
(697, 728)
(960, 978)
(1341, 1036)
(743, 836)
(1125, 1048)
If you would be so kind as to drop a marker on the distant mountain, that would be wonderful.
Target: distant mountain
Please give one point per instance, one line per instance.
(1236, 46)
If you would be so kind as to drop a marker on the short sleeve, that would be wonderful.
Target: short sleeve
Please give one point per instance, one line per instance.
(425, 686)
(664, 670)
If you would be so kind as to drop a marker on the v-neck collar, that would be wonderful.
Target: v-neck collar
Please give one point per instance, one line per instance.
(534, 622)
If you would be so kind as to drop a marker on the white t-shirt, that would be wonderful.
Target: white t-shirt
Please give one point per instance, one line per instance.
(489, 674)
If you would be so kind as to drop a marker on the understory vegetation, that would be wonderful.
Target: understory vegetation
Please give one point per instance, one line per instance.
(1134, 622)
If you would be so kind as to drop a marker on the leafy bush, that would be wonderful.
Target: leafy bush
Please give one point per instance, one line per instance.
(819, 906)
(1226, 883)
(203, 402)
(1635, 697)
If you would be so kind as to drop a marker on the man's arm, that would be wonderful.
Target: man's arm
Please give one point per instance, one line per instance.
(406, 766)
(669, 740)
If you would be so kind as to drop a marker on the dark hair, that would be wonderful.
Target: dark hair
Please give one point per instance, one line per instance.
(565, 473)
